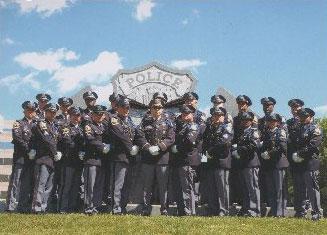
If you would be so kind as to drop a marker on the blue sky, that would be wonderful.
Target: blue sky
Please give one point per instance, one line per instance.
(259, 48)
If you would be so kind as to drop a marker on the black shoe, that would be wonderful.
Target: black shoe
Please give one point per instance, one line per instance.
(315, 217)
(164, 213)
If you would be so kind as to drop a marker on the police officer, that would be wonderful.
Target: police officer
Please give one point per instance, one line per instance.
(60, 120)
(64, 103)
(245, 151)
(274, 164)
(158, 135)
(42, 99)
(71, 145)
(188, 134)
(44, 150)
(217, 142)
(293, 125)
(219, 101)
(90, 98)
(96, 149)
(107, 162)
(21, 134)
(124, 141)
(243, 105)
(306, 159)
(192, 98)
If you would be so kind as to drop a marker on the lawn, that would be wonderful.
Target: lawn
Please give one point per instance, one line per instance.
(100, 224)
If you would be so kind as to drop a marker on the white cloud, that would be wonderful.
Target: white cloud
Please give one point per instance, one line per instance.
(15, 82)
(144, 9)
(196, 12)
(49, 61)
(321, 110)
(103, 93)
(44, 7)
(93, 72)
(8, 41)
(188, 64)
(1, 124)
(185, 22)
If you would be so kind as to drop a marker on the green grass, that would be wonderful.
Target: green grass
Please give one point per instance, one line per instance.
(108, 224)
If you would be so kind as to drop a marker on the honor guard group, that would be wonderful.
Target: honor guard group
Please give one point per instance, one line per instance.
(68, 160)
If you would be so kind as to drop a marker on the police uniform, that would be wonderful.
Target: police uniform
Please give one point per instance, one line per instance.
(235, 186)
(274, 164)
(107, 162)
(293, 128)
(124, 149)
(44, 141)
(156, 134)
(71, 145)
(20, 182)
(201, 189)
(217, 143)
(246, 153)
(95, 150)
(307, 163)
(186, 161)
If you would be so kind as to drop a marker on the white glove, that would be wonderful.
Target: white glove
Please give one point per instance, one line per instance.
(174, 149)
(234, 146)
(154, 150)
(265, 155)
(204, 157)
(135, 150)
(58, 156)
(81, 155)
(236, 155)
(32, 154)
(296, 158)
(106, 148)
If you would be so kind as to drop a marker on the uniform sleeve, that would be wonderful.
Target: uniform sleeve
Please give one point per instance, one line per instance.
(251, 144)
(314, 143)
(17, 136)
(140, 139)
(169, 140)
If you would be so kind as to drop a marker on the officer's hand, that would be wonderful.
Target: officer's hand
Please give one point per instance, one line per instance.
(154, 150)
(81, 155)
(134, 151)
(32, 154)
(296, 158)
(106, 148)
(235, 154)
(174, 149)
(265, 155)
(58, 156)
